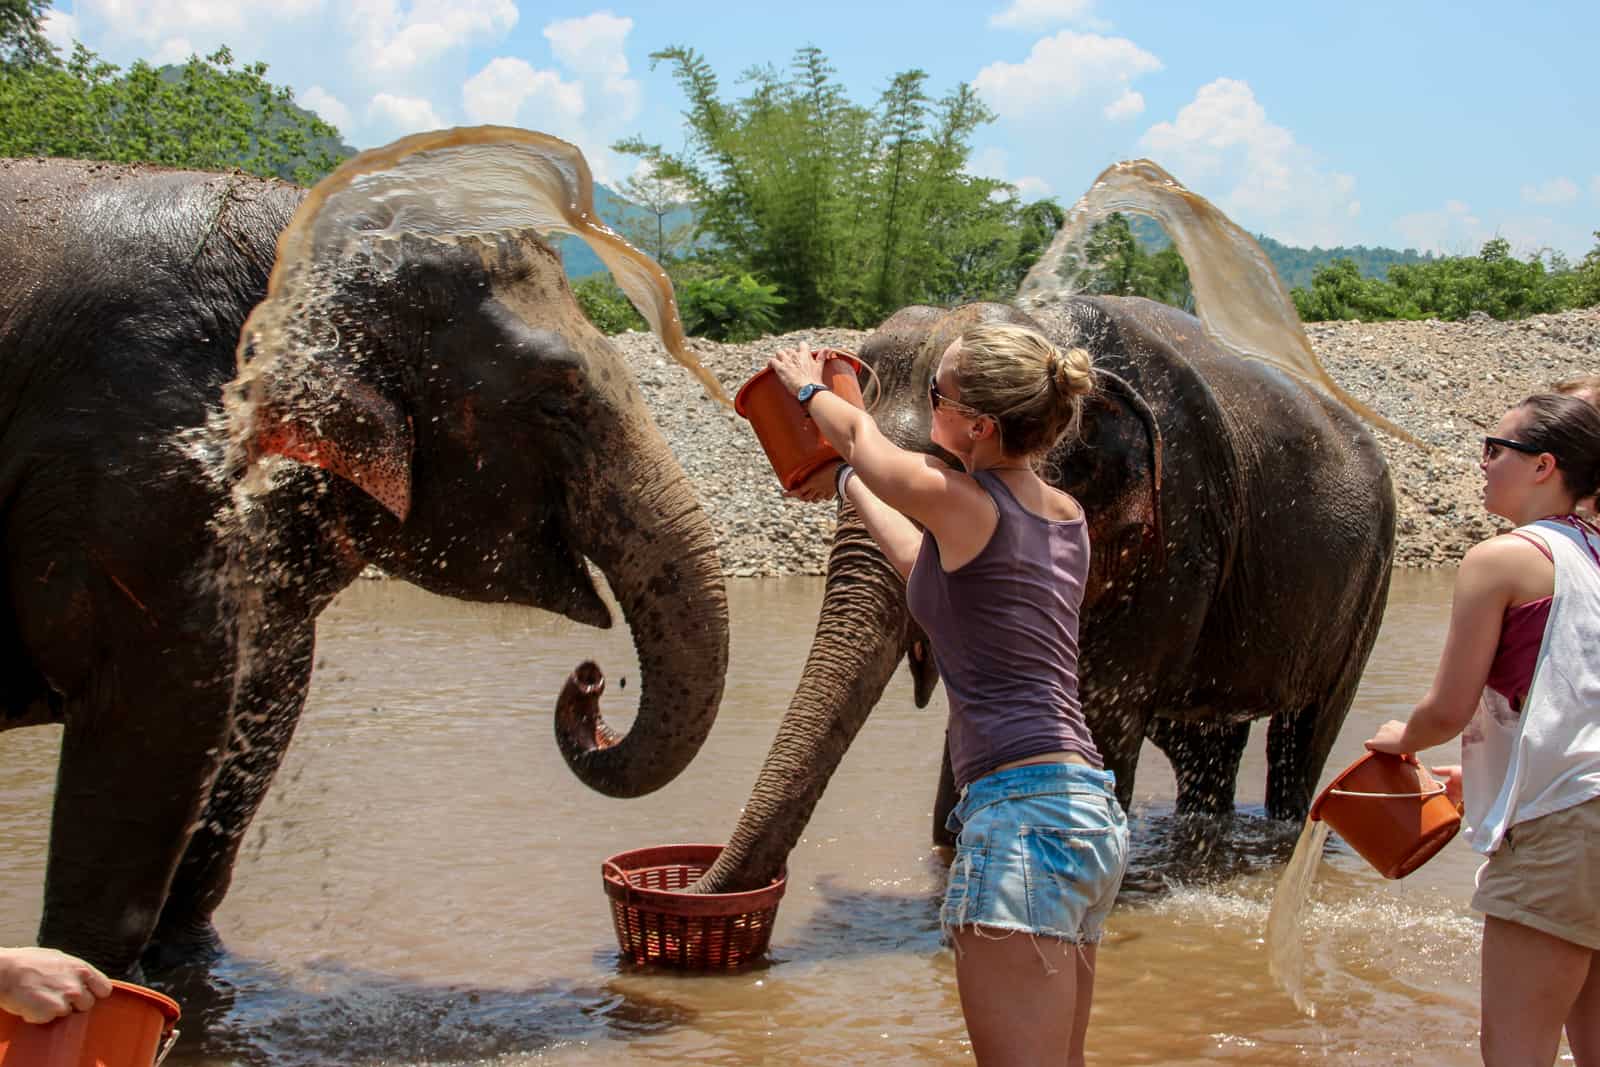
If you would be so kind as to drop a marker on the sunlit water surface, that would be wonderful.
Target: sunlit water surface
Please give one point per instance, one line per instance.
(423, 883)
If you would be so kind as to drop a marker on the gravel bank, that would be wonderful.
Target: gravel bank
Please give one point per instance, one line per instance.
(1447, 382)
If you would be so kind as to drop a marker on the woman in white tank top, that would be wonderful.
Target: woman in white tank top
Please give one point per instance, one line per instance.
(1530, 773)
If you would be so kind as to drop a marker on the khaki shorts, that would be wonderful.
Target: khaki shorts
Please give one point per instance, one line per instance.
(1546, 874)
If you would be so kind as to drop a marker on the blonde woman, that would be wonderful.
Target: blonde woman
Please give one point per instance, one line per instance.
(995, 560)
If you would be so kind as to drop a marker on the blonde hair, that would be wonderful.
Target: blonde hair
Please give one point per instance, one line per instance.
(1586, 384)
(1032, 389)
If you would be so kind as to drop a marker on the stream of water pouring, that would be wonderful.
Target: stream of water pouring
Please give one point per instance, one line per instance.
(1286, 958)
(1239, 299)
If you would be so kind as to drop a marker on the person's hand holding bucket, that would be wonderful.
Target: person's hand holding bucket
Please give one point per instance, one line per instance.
(775, 401)
(40, 984)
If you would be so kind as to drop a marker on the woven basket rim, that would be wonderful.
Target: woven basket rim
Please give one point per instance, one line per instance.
(672, 901)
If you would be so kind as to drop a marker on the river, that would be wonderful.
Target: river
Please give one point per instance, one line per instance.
(423, 887)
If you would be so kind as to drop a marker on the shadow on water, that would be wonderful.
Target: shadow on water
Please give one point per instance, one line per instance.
(249, 1013)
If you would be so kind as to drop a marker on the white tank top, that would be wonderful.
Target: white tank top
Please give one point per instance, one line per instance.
(1517, 767)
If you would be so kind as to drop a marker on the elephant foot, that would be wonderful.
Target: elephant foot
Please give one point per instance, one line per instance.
(194, 944)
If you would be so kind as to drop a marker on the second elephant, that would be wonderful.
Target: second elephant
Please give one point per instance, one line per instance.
(1242, 528)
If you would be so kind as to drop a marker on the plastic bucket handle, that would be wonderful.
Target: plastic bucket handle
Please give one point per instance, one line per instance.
(166, 1046)
(1435, 791)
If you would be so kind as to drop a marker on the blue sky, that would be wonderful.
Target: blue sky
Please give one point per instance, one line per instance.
(1426, 125)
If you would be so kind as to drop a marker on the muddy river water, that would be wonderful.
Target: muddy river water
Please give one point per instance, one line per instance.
(423, 884)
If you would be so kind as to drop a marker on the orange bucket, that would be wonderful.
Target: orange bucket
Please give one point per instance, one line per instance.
(793, 444)
(1391, 811)
(133, 1027)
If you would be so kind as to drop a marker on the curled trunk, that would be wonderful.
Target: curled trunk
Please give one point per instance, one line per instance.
(639, 521)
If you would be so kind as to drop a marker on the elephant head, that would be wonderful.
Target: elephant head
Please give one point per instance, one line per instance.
(419, 341)
(864, 628)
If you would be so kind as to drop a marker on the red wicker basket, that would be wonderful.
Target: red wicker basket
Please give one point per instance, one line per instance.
(657, 923)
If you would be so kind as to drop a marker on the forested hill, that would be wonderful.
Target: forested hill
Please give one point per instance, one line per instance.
(1295, 265)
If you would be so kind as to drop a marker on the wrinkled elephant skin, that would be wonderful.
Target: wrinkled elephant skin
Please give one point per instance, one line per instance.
(469, 432)
(1242, 527)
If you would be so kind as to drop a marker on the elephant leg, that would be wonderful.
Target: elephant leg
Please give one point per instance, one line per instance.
(138, 757)
(1298, 743)
(269, 704)
(944, 801)
(1118, 737)
(1205, 758)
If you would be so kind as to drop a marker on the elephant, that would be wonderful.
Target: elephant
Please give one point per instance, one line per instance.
(1242, 528)
(179, 507)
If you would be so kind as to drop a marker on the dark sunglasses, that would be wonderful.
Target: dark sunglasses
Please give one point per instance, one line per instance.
(935, 398)
(1493, 445)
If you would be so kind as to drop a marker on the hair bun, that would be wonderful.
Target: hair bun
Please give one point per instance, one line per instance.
(1072, 371)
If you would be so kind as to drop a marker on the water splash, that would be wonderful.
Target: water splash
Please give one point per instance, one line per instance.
(454, 184)
(1240, 300)
(1285, 953)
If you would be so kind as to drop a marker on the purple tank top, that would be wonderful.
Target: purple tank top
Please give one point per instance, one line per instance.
(1004, 630)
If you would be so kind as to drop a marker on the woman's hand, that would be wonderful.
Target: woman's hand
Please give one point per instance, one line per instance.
(818, 487)
(796, 367)
(1390, 738)
(40, 984)
(1450, 775)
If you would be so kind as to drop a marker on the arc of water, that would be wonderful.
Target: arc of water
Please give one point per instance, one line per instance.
(1241, 302)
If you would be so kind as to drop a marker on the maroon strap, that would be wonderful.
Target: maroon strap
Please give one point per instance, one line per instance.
(1583, 526)
(1536, 543)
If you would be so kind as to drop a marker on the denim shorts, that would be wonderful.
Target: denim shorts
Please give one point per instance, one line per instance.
(1041, 849)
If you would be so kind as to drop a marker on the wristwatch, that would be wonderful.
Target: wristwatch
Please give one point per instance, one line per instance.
(809, 390)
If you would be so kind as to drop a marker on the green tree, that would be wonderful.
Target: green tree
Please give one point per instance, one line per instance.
(22, 40)
(208, 114)
(1114, 264)
(659, 199)
(849, 212)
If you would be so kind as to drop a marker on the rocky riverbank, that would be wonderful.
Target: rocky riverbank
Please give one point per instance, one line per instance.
(1446, 382)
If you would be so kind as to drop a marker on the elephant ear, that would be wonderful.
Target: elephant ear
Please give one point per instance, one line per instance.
(332, 419)
(1115, 468)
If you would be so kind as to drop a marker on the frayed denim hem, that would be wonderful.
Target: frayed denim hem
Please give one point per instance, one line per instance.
(1070, 944)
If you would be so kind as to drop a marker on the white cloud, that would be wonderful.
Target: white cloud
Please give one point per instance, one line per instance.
(209, 20)
(1031, 187)
(60, 29)
(1035, 14)
(1223, 142)
(389, 41)
(327, 106)
(1456, 230)
(400, 115)
(498, 92)
(1129, 105)
(1459, 207)
(993, 162)
(1062, 69)
(174, 50)
(593, 48)
(1554, 191)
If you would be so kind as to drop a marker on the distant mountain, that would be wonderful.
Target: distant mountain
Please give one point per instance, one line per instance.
(1294, 265)
(613, 210)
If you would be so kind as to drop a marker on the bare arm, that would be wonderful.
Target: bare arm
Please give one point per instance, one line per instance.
(1492, 576)
(949, 503)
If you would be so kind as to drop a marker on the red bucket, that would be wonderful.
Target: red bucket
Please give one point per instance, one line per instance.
(133, 1027)
(1390, 810)
(793, 444)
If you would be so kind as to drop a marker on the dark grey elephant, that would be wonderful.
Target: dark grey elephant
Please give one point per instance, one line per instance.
(465, 428)
(1242, 527)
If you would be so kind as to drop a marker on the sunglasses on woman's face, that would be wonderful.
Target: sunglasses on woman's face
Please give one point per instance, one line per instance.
(936, 398)
(1493, 445)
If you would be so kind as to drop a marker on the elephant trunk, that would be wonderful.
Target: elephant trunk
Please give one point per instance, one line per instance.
(638, 520)
(862, 632)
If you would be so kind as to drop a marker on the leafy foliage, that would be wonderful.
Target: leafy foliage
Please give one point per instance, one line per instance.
(724, 308)
(848, 212)
(606, 305)
(1493, 282)
(1115, 264)
(207, 114)
(22, 40)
